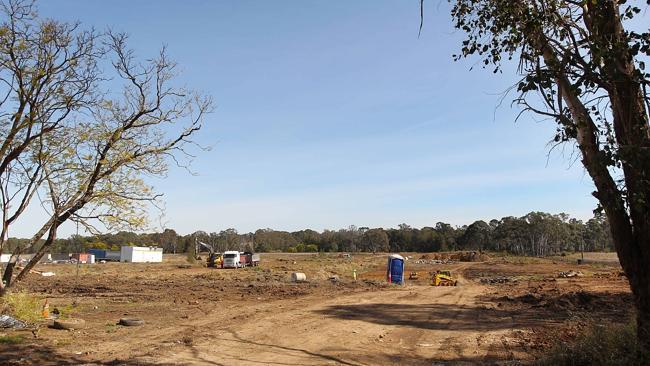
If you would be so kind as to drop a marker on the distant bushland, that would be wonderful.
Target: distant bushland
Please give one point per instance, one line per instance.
(537, 234)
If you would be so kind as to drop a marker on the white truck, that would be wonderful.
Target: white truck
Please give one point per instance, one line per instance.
(231, 259)
(235, 259)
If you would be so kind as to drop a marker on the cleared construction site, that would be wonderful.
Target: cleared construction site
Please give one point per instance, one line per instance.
(343, 312)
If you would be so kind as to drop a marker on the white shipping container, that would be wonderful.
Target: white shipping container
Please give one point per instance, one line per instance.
(141, 254)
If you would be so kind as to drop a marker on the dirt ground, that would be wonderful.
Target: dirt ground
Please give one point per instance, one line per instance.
(505, 310)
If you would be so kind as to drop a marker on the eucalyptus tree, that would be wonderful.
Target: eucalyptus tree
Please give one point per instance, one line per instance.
(85, 123)
(582, 66)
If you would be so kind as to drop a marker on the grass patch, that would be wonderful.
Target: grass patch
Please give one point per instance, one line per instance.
(65, 311)
(24, 306)
(599, 345)
(111, 327)
(12, 339)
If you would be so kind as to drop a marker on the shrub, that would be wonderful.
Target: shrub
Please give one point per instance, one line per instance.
(599, 346)
(191, 254)
(291, 250)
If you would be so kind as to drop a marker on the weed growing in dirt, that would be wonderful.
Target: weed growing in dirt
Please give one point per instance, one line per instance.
(111, 327)
(599, 346)
(257, 269)
(65, 311)
(12, 339)
(24, 306)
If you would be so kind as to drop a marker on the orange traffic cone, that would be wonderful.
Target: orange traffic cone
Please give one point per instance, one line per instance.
(46, 309)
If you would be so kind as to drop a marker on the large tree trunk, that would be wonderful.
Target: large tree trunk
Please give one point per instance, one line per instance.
(642, 298)
(637, 274)
(628, 214)
(632, 132)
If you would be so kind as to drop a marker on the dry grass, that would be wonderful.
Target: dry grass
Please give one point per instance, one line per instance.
(12, 339)
(599, 345)
(23, 306)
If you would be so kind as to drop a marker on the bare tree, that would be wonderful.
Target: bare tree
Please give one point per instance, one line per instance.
(48, 74)
(98, 134)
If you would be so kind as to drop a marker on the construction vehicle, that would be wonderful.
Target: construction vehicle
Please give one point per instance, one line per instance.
(443, 278)
(236, 259)
(249, 259)
(215, 259)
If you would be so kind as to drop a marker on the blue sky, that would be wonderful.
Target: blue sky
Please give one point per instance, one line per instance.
(331, 113)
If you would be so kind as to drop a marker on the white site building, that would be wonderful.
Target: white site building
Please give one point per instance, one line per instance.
(141, 254)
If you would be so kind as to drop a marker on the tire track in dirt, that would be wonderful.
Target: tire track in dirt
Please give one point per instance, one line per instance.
(414, 325)
(357, 329)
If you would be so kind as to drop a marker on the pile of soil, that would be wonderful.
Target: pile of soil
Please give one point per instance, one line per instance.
(471, 256)
(563, 302)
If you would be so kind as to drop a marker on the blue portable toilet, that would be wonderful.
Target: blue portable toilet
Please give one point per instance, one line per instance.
(395, 269)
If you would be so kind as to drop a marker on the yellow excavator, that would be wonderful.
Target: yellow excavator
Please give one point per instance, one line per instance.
(443, 278)
(215, 259)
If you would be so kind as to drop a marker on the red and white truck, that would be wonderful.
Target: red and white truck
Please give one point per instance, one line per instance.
(236, 259)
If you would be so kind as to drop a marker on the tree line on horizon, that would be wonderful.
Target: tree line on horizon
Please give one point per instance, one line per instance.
(536, 234)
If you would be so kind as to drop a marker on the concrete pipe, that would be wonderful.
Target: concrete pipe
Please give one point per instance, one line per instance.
(298, 277)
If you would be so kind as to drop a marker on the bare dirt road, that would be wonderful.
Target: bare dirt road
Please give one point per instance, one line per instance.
(416, 325)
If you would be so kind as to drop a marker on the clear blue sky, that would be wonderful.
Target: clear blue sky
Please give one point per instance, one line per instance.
(331, 113)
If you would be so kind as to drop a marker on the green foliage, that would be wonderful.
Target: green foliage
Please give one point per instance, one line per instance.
(292, 250)
(599, 346)
(536, 233)
(97, 245)
(24, 306)
(262, 247)
(374, 240)
(65, 311)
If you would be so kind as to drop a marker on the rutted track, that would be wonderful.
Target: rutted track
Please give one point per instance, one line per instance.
(415, 325)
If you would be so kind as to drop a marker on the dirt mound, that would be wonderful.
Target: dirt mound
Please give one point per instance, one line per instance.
(472, 257)
(572, 301)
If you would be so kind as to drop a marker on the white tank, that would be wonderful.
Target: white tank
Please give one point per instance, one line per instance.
(298, 277)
